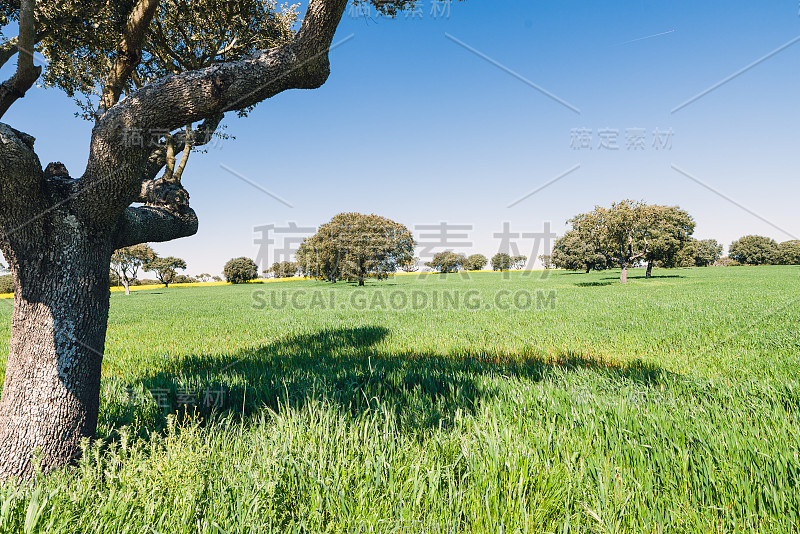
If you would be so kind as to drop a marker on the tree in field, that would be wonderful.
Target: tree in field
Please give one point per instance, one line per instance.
(570, 252)
(547, 261)
(284, 269)
(240, 270)
(619, 232)
(502, 262)
(409, 264)
(176, 64)
(165, 269)
(754, 250)
(204, 277)
(518, 262)
(475, 262)
(707, 252)
(669, 229)
(126, 262)
(789, 252)
(685, 256)
(354, 247)
(446, 262)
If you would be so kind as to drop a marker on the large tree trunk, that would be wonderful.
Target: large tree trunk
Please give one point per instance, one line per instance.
(649, 269)
(623, 277)
(50, 396)
(127, 287)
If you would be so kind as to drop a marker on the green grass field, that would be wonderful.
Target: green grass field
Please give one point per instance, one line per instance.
(503, 403)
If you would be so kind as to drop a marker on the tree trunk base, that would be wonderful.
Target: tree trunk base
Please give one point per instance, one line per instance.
(51, 394)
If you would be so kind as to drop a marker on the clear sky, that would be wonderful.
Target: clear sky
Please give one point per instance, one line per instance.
(453, 117)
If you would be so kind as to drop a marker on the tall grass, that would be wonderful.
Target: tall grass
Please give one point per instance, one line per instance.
(669, 405)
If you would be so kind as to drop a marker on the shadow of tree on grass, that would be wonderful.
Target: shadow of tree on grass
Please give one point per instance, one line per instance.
(644, 277)
(346, 367)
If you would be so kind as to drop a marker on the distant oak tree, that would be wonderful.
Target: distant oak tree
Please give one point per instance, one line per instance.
(354, 247)
(789, 252)
(618, 232)
(126, 262)
(572, 253)
(240, 270)
(502, 262)
(707, 252)
(669, 230)
(165, 269)
(446, 262)
(754, 250)
(475, 262)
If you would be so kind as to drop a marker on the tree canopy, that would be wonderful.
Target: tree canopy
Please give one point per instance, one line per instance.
(165, 269)
(284, 269)
(754, 250)
(669, 229)
(789, 252)
(502, 262)
(572, 253)
(475, 262)
(126, 262)
(354, 247)
(447, 262)
(706, 252)
(631, 231)
(240, 270)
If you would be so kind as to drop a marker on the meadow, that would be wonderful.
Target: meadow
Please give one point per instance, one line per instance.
(498, 403)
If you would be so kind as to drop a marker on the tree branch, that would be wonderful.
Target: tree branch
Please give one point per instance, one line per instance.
(178, 172)
(153, 224)
(27, 73)
(7, 50)
(114, 171)
(200, 136)
(21, 181)
(129, 53)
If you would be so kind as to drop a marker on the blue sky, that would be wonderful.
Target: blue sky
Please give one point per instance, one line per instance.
(421, 121)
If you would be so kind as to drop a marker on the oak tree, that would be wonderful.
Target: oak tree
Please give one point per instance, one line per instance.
(140, 68)
(502, 262)
(240, 270)
(354, 247)
(126, 262)
(409, 264)
(165, 269)
(570, 252)
(789, 252)
(755, 250)
(706, 252)
(669, 229)
(475, 262)
(618, 232)
(446, 262)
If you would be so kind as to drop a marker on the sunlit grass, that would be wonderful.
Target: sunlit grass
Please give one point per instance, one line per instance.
(667, 405)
